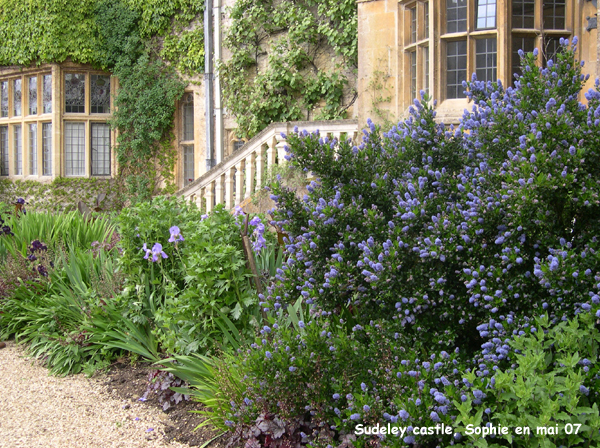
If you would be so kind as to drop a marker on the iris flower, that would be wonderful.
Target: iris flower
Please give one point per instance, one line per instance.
(148, 251)
(156, 251)
(175, 235)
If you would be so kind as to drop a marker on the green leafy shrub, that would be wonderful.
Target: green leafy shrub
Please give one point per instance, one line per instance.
(276, 70)
(198, 283)
(546, 389)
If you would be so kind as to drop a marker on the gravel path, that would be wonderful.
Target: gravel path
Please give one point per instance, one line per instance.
(41, 411)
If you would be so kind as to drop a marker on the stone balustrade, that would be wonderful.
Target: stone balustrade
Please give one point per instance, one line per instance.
(239, 176)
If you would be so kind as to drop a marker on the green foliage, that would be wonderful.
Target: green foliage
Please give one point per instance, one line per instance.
(63, 193)
(545, 389)
(277, 68)
(118, 37)
(145, 110)
(185, 50)
(159, 16)
(36, 31)
(91, 31)
(202, 286)
(53, 316)
(71, 230)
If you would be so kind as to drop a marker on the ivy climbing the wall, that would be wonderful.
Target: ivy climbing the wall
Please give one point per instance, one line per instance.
(143, 43)
(291, 60)
(145, 101)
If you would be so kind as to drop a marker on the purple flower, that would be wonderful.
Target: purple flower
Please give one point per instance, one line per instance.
(37, 245)
(354, 416)
(175, 235)
(148, 251)
(157, 251)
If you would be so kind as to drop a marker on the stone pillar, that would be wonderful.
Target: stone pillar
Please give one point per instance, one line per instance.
(272, 152)
(281, 152)
(239, 179)
(250, 170)
(229, 188)
(219, 190)
(260, 167)
(210, 197)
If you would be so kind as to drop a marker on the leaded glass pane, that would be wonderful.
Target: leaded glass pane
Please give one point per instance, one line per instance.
(100, 149)
(485, 59)
(100, 94)
(17, 95)
(413, 74)
(426, 69)
(426, 6)
(33, 95)
(47, 149)
(75, 93)
(554, 14)
(523, 13)
(413, 25)
(47, 94)
(238, 144)
(4, 99)
(188, 117)
(456, 16)
(3, 150)
(456, 73)
(188, 164)
(527, 44)
(18, 139)
(33, 149)
(75, 149)
(486, 14)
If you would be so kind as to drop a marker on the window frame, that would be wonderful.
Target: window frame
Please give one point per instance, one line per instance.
(92, 124)
(4, 150)
(416, 48)
(471, 35)
(538, 33)
(187, 103)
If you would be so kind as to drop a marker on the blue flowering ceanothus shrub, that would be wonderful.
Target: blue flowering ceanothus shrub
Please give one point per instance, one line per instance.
(439, 229)
(436, 243)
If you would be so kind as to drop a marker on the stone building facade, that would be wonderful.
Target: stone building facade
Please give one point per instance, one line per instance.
(411, 45)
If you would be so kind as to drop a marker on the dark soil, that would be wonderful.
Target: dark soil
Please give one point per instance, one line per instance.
(131, 381)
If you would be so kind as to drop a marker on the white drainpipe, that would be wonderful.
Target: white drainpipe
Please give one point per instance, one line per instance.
(219, 153)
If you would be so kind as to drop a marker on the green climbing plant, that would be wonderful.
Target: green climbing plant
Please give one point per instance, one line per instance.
(143, 43)
(291, 60)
